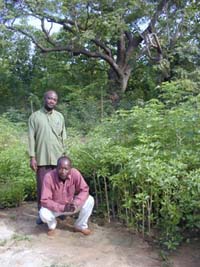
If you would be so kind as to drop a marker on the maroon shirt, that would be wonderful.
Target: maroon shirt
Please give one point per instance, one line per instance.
(56, 193)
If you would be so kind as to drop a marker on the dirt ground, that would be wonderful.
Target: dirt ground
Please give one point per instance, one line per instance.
(25, 244)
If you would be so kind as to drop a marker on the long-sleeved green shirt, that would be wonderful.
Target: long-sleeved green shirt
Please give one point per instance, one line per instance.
(46, 135)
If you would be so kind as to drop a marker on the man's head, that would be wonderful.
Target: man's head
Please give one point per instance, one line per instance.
(64, 166)
(50, 100)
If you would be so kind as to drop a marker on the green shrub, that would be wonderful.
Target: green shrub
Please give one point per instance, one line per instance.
(11, 194)
(143, 167)
(16, 178)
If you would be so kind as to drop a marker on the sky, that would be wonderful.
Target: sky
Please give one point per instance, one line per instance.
(36, 22)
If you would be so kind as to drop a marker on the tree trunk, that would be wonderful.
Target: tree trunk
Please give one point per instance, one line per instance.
(118, 84)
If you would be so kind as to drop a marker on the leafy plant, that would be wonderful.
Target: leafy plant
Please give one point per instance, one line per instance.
(16, 179)
(143, 167)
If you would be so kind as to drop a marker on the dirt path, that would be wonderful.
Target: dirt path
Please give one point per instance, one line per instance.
(24, 244)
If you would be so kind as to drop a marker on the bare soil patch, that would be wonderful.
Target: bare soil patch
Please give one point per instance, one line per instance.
(25, 244)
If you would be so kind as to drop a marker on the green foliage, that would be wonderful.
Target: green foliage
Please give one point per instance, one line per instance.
(80, 80)
(112, 32)
(177, 91)
(16, 179)
(11, 194)
(143, 166)
(15, 70)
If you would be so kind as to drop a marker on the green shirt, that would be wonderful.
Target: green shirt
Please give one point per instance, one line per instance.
(46, 135)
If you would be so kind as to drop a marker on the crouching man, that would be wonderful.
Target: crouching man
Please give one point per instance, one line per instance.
(65, 192)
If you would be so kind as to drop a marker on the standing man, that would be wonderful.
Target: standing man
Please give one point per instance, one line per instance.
(65, 192)
(46, 135)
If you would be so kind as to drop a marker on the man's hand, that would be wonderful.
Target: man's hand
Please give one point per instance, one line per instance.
(33, 164)
(70, 207)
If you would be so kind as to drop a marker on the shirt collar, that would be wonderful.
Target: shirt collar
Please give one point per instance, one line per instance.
(46, 111)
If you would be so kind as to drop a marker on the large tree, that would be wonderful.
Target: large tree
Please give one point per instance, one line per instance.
(117, 32)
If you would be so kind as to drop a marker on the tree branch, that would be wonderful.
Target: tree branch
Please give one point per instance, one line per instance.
(103, 46)
(71, 49)
(154, 19)
(47, 33)
(43, 49)
(126, 45)
(121, 51)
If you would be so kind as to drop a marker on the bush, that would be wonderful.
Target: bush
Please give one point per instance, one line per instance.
(16, 178)
(11, 194)
(143, 167)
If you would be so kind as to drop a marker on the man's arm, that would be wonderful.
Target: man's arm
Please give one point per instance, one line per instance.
(64, 135)
(81, 189)
(47, 196)
(31, 143)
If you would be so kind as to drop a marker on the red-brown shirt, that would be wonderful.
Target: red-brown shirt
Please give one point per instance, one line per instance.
(56, 193)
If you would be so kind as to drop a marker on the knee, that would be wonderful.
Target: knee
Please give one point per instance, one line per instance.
(45, 215)
(90, 201)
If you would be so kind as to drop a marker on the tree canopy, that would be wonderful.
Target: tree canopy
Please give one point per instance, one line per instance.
(119, 33)
(87, 50)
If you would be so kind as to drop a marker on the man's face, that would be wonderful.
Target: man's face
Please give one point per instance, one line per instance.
(50, 100)
(63, 169)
